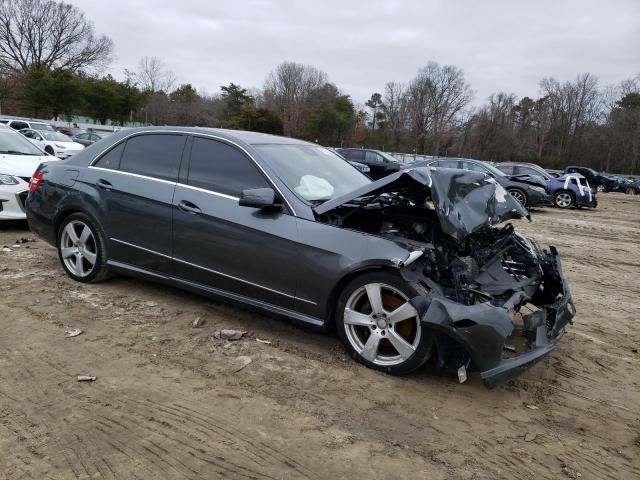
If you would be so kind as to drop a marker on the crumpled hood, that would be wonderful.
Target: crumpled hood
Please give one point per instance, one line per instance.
(465, 201)
(22, 165)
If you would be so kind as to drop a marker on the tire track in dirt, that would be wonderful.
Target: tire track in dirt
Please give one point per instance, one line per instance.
(152, 424)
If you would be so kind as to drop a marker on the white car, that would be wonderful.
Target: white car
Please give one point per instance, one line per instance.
(54, 143)
(18, 160)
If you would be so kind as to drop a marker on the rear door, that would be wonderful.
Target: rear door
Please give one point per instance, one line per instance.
(136, 181)
(217, 243)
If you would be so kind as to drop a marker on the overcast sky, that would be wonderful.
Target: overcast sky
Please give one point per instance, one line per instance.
(362, 44)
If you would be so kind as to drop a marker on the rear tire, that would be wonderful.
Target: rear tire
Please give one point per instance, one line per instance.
(81, 249)
(379, 327)
(630, 191)
(564, 199)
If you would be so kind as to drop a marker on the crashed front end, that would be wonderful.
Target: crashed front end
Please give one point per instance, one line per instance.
(496, 301)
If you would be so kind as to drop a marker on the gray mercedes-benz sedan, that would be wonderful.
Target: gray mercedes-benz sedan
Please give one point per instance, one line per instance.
(418, 264)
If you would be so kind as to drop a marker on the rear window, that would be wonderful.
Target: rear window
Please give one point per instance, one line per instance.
(156, 156)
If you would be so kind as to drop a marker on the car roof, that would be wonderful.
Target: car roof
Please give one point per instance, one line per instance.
(251, 138)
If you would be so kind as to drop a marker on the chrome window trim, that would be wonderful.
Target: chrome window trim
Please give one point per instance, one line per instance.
(169, 182)
(210, 192)
(212, 271)
(195, 134)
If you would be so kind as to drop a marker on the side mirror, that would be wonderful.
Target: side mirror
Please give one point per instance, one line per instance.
(262, 198)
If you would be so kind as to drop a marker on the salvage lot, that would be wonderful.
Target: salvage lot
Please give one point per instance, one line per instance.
(170, 401)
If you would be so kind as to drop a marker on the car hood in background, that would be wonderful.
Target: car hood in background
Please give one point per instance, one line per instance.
(22, 165)
(528, 179)
(465, 201)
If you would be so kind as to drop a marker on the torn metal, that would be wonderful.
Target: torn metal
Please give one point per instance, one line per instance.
(496, 301)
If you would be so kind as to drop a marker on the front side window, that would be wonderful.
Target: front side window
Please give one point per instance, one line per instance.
(445, 164)
(373, 157)
(355, 155)
(221, 168)
(153, 155)
(508, 169)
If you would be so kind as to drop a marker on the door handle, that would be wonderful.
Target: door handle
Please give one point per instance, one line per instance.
(189, 207)
(103, 184)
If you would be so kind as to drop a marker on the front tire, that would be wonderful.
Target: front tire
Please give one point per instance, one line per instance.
(378, 325)
(564, 199)
(81, 249)
(519, 195)
(630, 191)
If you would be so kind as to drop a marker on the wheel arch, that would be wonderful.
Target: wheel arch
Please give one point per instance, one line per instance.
(332, 300)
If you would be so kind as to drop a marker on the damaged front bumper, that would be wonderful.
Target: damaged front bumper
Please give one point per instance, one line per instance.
(485, 331)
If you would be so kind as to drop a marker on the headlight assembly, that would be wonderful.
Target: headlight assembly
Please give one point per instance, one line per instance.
(8, 180)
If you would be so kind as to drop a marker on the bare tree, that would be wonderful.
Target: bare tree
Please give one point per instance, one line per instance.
(395, 110)
(50, 34)
(289, 89)
(154, 76)
(436, 96)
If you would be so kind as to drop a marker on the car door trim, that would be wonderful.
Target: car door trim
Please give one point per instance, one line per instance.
(197, 134)
(168, 182)
(212, 192)
(212, 271)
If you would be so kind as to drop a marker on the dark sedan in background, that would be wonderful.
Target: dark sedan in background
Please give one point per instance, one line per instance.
(572, 190)
(86, 138)
(600, 182)
(528, 190)
(380, 163)
(416, 264)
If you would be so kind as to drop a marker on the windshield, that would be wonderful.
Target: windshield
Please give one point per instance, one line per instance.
(494, 170)
(314, 173)
(55, 136)
(14, 143)
(41, 126)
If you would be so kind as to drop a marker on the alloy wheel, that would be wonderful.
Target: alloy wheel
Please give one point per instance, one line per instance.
(563, 200)
(630, 191)
(519, 196)
(381, 325)
(78, 248)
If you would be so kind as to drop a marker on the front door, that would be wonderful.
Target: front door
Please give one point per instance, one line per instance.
(217, 243)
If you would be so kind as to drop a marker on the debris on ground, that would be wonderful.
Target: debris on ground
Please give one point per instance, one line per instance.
(229, 334)
(86, 378)
(25, 240)
(532, 407)
(6, 249)
(198, 322)
(263, 341)
(244, 361)
(530, 437)
(17, 245)
(73, 333)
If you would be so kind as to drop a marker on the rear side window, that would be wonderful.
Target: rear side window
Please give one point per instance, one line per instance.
(156, 156)
(355, 155)
(508, 169)
(111, 159)
(222, 168)
(19, 125)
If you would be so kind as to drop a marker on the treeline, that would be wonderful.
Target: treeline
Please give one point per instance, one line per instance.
(50, 59)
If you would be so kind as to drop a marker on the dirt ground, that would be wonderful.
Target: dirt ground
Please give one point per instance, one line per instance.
(171, 402)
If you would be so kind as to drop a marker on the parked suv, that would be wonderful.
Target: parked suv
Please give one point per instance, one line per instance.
(24, 124)
(597, 181)
(380, 163)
